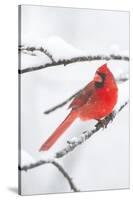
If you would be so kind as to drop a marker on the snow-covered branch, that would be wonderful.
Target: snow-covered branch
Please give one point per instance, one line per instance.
(122, 78)
(57, 165)
(65, 62)
(31, 50)
(72, 144)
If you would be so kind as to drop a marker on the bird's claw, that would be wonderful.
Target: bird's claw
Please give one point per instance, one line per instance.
(104, 122)
(101, 124)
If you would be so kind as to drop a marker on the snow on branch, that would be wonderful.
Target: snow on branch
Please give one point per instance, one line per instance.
(120, 79)
(72, 144)
(60, 52)
(31, 51)
(57, 165)
(65, 62)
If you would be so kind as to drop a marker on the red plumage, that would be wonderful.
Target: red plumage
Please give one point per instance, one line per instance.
(95, 101)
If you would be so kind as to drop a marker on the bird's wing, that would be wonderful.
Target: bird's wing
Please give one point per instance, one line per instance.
(83, 96)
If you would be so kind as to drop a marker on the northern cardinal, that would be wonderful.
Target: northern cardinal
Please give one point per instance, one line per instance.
(95, 101)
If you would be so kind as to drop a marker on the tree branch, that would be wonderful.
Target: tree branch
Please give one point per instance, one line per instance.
(74, 60)
(61, 104)
(120, 79)
(57, 165)
(87, 134)
(72, 144)
(33, 49)
(123, 77)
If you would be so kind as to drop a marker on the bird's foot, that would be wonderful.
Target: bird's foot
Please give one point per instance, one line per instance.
(110, 117)
(104, 122)
(101, 124)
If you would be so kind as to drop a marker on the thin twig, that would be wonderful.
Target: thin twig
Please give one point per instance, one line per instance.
(72, 144)
(32, 49)
(61, 104)
(57, 165)
(74, 60)
(123, 77)
(120, 79)
(87, 134)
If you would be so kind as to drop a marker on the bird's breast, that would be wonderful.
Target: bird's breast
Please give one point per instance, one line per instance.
(99, 105)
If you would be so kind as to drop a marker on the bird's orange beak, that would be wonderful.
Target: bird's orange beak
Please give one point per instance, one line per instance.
(97, 78)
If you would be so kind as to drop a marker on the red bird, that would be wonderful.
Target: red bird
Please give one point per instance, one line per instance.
(95, 101)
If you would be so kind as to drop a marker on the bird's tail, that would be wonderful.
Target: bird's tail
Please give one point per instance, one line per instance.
(59, 131)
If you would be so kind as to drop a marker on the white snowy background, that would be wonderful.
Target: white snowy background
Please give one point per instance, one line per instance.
(102, 162)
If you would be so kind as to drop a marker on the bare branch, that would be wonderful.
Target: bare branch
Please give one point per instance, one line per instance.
(72, 144)
(74, 60)
(120, 79)
(61, 104)
(87, 134)
(31, 49)
(123, 77)
(57, 165)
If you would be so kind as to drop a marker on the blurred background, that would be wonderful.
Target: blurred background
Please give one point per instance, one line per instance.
(102, 162)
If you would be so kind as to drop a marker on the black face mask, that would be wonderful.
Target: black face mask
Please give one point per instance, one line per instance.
(100, 84)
